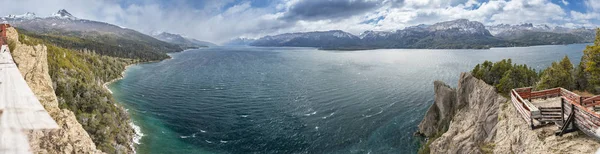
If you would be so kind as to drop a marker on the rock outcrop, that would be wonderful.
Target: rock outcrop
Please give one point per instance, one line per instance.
(71, 137)
(440, 114)
(469, 113)
(482, 121)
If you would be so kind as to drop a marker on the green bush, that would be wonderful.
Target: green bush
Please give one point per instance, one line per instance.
(558, 75)
(504, 75)
(589, 68)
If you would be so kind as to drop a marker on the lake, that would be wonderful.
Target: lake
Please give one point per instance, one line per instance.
(298, 100)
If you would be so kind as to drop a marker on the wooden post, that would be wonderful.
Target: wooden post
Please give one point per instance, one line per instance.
(573, 113)
(562, 110)
(529, 98)
(531, 122)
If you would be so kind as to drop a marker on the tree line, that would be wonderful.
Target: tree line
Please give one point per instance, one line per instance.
(504, 75)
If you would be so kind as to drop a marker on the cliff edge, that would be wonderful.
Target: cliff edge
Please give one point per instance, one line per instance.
(33, 65)
(473, 118)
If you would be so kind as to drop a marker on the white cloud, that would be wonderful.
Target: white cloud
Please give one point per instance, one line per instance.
(213, 22)
(593, 4)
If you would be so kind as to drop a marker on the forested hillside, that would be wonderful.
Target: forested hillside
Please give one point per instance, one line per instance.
(78, 76)
(107, 44)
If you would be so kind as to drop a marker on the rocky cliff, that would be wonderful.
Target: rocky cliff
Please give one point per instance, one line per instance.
(473, 118)
(71, 137)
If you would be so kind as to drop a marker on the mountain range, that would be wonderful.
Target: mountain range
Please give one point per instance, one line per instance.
(184, 42)
(66, 30)
(455, 34)
(239, 42)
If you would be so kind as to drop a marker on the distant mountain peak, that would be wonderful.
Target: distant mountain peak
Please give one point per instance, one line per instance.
(28, 15)
(62, 13)
(463, 25)
(181, 40)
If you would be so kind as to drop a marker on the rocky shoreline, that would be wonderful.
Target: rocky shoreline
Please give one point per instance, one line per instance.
(138, 134)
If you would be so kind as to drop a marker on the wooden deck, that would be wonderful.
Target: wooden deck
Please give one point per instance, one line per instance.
(559, 106)
(20, 110)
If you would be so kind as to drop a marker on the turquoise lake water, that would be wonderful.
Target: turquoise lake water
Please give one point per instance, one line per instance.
(298, 100)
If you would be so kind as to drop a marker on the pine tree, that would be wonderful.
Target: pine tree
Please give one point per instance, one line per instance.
(590, 65)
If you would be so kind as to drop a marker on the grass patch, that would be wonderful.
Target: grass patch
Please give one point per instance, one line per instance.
(424, 149)
(11, 45)
(487, 148)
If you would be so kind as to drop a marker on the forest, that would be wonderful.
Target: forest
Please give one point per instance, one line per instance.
(585, 77)
(78, 76)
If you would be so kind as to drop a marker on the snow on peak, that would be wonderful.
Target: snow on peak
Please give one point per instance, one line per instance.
(28, 15)
(156, 32)
(373, 34)
(63, 14)
(461, 24)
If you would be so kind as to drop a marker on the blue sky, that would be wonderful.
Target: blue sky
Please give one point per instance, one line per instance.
(222, 20)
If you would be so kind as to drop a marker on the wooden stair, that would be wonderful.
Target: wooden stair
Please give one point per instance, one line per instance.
(550, 115)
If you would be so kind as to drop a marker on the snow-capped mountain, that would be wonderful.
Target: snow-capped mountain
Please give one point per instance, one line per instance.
(26, 16)
(184, 42)
(63, 23)
(374, 34)
(63, 14)
(239, 42)
(462, 26)
(543, 34)
(502, 28)
(460, 33)
(309, 39)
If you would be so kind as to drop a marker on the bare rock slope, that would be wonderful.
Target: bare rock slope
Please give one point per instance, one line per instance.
(71, 137)
(478, 120)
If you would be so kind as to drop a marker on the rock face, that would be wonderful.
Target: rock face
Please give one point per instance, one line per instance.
(71, 137)
(478, 120)
(440, 114)
(475, 120)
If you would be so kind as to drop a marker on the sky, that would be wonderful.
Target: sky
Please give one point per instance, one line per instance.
(221, 20)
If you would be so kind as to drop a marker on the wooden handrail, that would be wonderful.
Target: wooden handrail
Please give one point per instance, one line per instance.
(527, 105)
(583, 108)
(591, 99)
(520, 100)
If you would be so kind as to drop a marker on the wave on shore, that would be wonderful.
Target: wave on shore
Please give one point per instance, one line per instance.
(138, 133)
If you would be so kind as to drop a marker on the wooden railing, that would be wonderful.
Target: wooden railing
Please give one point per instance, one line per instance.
(555, 92)
(586, 120)
(3, 39)
(591, 101)
(524, 107)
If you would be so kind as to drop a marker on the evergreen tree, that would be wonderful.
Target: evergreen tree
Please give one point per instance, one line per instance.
(558, 75)
(590, 67)
(504, 75)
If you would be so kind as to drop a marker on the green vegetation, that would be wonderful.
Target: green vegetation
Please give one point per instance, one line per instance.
(11, 44)
(585, 77)
(424, 149)
(504, 75)
(78, 77)
(589, 68)
(558, 75)
(107, 44)
(546, 38)
(487, 148)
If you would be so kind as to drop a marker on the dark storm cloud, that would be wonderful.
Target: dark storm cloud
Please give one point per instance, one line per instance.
(329, 9)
